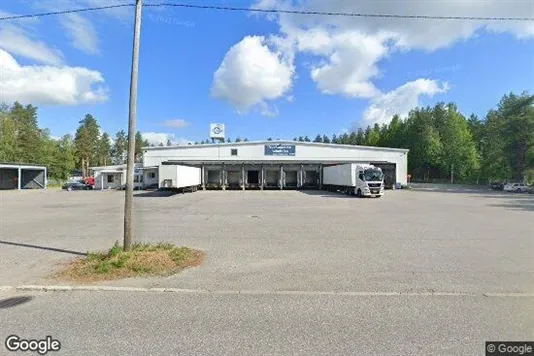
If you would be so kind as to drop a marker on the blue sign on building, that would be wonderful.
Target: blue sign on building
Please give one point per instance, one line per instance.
(279, 149)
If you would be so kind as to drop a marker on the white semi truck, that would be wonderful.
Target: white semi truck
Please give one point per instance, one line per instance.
(179, 178)
(363, 180)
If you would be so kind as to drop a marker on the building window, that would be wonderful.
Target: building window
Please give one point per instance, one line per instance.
(152, 175)
(111, 178)
(138, 178)
(233, 152)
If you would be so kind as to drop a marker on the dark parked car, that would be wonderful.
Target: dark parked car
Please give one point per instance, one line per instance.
(497, 186)
(76, 186)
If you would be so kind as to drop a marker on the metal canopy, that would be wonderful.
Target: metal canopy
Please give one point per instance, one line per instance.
(264, 162)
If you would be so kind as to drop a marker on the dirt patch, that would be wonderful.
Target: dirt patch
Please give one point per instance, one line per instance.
(142, 260)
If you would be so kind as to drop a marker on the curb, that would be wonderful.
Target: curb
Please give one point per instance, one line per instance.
(59, 288)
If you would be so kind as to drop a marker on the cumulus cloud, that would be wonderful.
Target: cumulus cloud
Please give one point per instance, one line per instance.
(348, 49)
(176, 123)
(350, 64)
(401, 100)
(252, 73)
(157, 138)
(44, 84)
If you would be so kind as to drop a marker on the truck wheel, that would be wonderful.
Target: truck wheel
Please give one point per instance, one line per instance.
(359, 193)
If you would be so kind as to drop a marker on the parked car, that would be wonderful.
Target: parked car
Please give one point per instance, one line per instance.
(76, 186)
(497, 185)
(516, 187)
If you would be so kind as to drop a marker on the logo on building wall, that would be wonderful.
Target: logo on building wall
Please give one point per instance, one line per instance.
(217, 131)
(280, 150)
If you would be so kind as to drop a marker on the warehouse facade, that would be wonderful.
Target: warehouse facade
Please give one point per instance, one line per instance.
(273, 164)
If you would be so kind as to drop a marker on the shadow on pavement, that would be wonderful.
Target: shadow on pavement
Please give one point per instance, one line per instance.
(43, 248)
(156, 194)
(13, 302)
(326, 194)
(512, 201)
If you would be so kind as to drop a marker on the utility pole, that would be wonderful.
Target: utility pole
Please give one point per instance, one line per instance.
(128, 200)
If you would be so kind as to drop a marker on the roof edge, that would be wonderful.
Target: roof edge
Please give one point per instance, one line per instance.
(332, 145)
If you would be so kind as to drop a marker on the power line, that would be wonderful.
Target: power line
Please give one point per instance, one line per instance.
(64, 12)
(341, 14)
(273, 11)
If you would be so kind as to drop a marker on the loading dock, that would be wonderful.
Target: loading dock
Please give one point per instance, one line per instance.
(390, 172)
(252, 178)
(310, 179)
(272, 177)
(212, 177)
(22, 176)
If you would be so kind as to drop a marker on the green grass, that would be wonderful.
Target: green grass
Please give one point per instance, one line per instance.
(162, 258)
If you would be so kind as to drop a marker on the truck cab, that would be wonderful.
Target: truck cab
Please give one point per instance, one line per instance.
(369, 181)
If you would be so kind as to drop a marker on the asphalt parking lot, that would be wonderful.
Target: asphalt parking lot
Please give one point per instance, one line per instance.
(475, 241)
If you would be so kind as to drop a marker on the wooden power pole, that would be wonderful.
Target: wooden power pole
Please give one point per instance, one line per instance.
(128, 200)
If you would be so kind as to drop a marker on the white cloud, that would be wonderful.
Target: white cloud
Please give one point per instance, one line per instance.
(80, 28)
(252, 73)
(157, 138)
(349, 49)
(401, 100)
(410, 33)
(81, 33)
(20, 38)
(48, 84)
(176, 123)
(351, 63)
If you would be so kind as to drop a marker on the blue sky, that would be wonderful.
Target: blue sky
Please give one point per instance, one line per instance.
(263, 77)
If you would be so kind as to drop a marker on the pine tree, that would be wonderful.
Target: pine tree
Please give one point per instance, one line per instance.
(104, 150)
(86, 143)
(120, 148)
(318, 138)
(326, 139)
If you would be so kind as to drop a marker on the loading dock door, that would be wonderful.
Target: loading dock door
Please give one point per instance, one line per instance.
(271, 178)
(390, 173)
(310, 178)
(234, 178)
(253, 177)
(291, 178)
(214, 177)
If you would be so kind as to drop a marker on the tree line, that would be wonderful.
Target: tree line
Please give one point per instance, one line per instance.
(446, 145)
(23, 141)
(443, 143)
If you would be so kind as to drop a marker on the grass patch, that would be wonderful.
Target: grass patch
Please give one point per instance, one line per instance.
(143, 259)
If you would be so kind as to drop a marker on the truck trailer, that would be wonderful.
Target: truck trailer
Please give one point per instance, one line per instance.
(179, 178)
(362, 180)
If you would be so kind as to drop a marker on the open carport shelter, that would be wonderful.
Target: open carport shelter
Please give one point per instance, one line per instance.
(275, 164)
(22, 176)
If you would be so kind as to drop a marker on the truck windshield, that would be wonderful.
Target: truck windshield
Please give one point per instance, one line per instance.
(373, 175)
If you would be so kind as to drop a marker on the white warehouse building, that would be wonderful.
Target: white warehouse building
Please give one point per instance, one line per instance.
(272, 164)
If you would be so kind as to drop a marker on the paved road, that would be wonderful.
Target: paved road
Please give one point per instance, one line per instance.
(118, 323)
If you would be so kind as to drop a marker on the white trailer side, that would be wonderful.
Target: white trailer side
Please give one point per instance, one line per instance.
(340, 175)
(179, 177)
